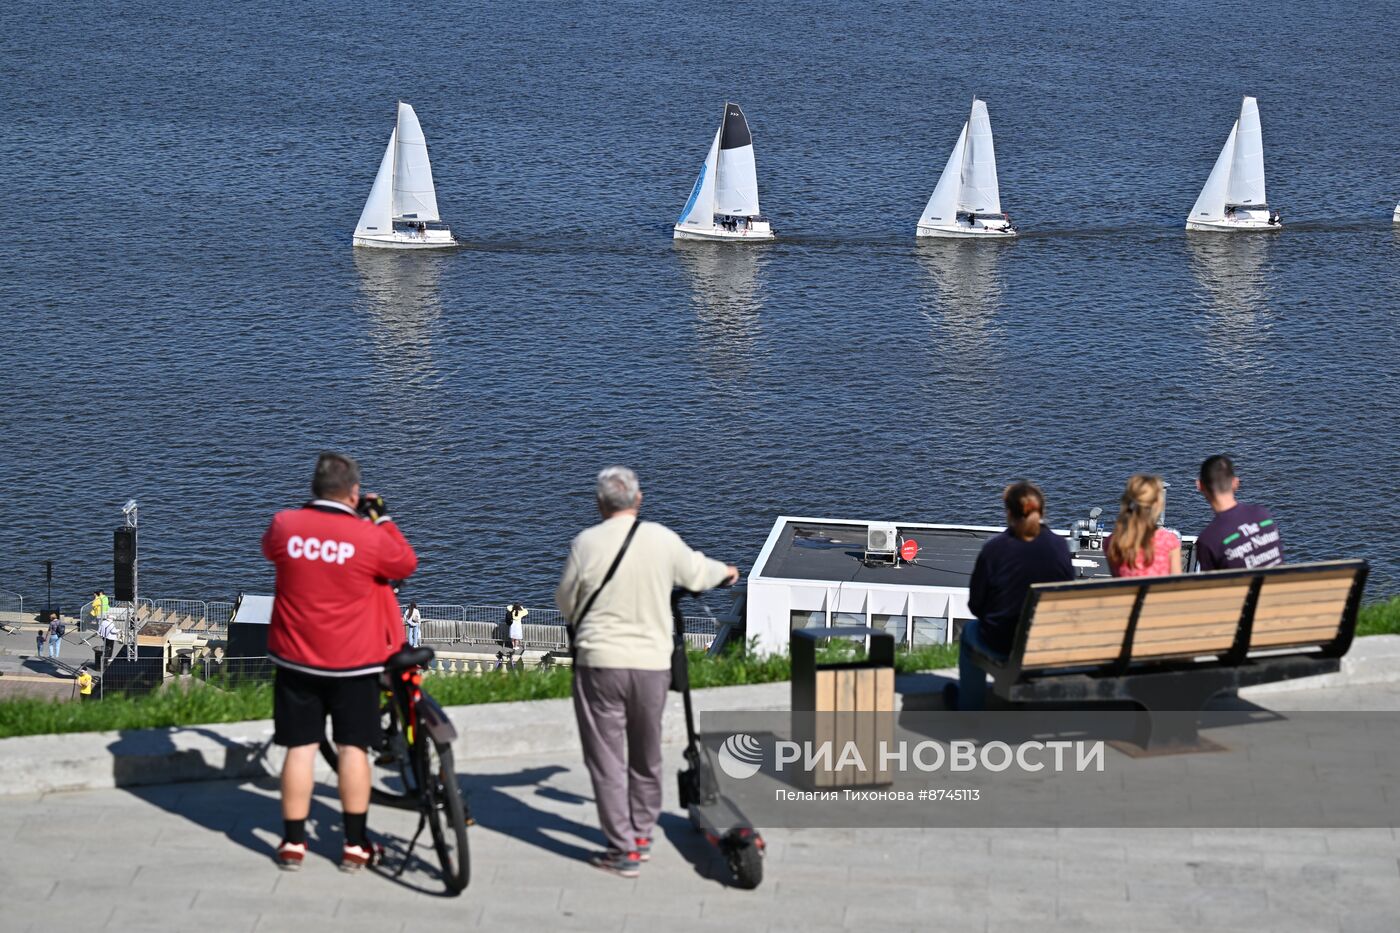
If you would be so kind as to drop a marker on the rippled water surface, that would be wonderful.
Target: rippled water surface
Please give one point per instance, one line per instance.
(185, 321)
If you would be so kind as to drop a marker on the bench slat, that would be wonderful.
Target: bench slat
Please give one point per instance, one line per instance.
(1070, 656)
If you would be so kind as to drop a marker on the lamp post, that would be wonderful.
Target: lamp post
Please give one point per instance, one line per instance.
(48, 576)
(130, 514)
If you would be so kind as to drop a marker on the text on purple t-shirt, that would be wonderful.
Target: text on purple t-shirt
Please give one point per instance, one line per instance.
(1243, 537)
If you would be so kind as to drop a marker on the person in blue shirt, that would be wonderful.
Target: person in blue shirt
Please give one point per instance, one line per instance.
(1026, 552)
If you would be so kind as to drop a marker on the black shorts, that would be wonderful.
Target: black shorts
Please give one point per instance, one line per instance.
(300, 703)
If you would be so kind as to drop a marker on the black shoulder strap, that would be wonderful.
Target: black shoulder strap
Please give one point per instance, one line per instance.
(573, 627)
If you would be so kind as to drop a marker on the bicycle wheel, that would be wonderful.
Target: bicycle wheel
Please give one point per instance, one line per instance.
(446, 815)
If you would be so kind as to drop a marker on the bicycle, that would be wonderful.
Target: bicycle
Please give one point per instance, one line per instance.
(417, 750)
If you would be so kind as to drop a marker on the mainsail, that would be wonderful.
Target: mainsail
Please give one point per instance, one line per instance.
(1247, 166)
(979, 194)
(700, 208)
(414, 198)
(377, 216)
(736, 175)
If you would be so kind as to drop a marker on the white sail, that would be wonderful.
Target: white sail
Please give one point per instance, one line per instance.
(943, 205)
(736, 175)
(1211, 203)
(699, 210)
(414, 198)
(1247, 166)
(377, 217)
(979, 194)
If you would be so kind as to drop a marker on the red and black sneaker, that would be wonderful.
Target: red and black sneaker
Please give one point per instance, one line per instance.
(622, 864)
(290, 855)
(644, 848)
(355, 857)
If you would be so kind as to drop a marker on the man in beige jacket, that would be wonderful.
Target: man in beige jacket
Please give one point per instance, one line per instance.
(622, 661)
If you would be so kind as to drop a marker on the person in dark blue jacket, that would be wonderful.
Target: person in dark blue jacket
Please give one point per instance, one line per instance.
(1026, 552)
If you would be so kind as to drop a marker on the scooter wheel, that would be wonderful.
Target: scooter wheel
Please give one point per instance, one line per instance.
(745, 865)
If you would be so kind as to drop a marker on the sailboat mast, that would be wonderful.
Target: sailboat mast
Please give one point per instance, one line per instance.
(398, 109)
(719, 157)
(967, 152)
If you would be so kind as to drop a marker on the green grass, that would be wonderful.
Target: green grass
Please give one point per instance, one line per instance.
(211, 704)
(199, 704)
(1380, 618)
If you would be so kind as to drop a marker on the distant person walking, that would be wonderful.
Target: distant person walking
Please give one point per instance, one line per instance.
(331, 631)
(41, 638)
(1137, 547)
(1027, 552)
(56, 633)
(101, 606)
(1240, 536)
(413, 624)
(111, 638)
(616, 592)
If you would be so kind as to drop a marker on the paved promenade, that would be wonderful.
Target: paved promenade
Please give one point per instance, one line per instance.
(196, 857)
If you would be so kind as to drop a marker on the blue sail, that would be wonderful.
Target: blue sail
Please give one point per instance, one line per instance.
(694, 194)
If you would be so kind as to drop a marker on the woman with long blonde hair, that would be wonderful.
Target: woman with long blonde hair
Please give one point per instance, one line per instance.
(1138, 547)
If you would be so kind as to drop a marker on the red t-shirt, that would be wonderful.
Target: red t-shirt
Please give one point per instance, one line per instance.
(334, 614)
(1163, 543)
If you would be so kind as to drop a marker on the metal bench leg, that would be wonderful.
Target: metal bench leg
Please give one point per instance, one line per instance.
(1171, 707)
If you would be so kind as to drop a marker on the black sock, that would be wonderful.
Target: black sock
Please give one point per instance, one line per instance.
(294, 831)
(355, 829)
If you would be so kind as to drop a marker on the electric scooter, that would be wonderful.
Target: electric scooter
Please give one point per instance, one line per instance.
(713, 814)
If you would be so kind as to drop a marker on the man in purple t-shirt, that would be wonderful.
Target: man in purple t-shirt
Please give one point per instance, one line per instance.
(1240, 535)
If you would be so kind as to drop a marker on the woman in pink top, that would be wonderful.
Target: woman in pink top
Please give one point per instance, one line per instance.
(1137, 547)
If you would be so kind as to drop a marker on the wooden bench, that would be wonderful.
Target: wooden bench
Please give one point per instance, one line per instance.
(1169, 644)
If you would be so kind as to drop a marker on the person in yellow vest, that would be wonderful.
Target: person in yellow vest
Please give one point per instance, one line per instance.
(85, 683)
(101, 605)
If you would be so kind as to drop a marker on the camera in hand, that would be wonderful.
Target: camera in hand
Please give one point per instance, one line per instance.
(372, 507)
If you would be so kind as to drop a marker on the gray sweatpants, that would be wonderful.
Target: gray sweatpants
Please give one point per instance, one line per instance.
(619, 720)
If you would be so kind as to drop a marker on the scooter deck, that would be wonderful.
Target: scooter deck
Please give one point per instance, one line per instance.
(718, 817)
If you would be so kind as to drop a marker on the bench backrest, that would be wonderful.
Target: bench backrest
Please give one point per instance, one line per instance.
(1115, 624)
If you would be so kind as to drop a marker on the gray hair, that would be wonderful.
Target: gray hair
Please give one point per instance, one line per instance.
(617, 488)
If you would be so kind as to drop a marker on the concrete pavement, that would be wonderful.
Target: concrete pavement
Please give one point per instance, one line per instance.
(197, 856)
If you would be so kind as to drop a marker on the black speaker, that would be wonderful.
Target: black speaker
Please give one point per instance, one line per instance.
(124, 564)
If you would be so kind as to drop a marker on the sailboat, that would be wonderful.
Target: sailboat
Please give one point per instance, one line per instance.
(1233, 198)
(1395, 218)
(966, 201)
(723, 204)
(402, 212)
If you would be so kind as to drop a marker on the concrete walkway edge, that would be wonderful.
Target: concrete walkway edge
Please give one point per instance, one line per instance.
(91, 760)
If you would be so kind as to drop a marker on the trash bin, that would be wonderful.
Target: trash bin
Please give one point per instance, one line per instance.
(844, 705)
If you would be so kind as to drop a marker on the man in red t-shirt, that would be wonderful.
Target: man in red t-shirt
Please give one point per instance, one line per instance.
(335, 620)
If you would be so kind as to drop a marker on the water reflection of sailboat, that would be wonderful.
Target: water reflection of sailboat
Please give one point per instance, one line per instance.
(401, 293)
(724, 285)
(1233, 272)
(966, 296)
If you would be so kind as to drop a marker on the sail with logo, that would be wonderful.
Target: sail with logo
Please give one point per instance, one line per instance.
(723, 203)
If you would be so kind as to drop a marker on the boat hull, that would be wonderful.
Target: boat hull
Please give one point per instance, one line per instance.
(433, 239)
(760, 232)
(1233, 226)
(964, 232)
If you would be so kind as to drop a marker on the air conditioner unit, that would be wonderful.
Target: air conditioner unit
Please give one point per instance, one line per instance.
(881, 538)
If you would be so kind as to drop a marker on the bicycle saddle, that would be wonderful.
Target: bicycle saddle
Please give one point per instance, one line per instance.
(407, 657)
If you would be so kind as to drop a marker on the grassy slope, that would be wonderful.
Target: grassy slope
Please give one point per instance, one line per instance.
(176, 707)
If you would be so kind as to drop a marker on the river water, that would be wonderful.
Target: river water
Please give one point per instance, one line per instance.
(187, 324)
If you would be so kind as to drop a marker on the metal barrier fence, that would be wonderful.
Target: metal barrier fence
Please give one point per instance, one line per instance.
(11, 602)
(235, 671)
